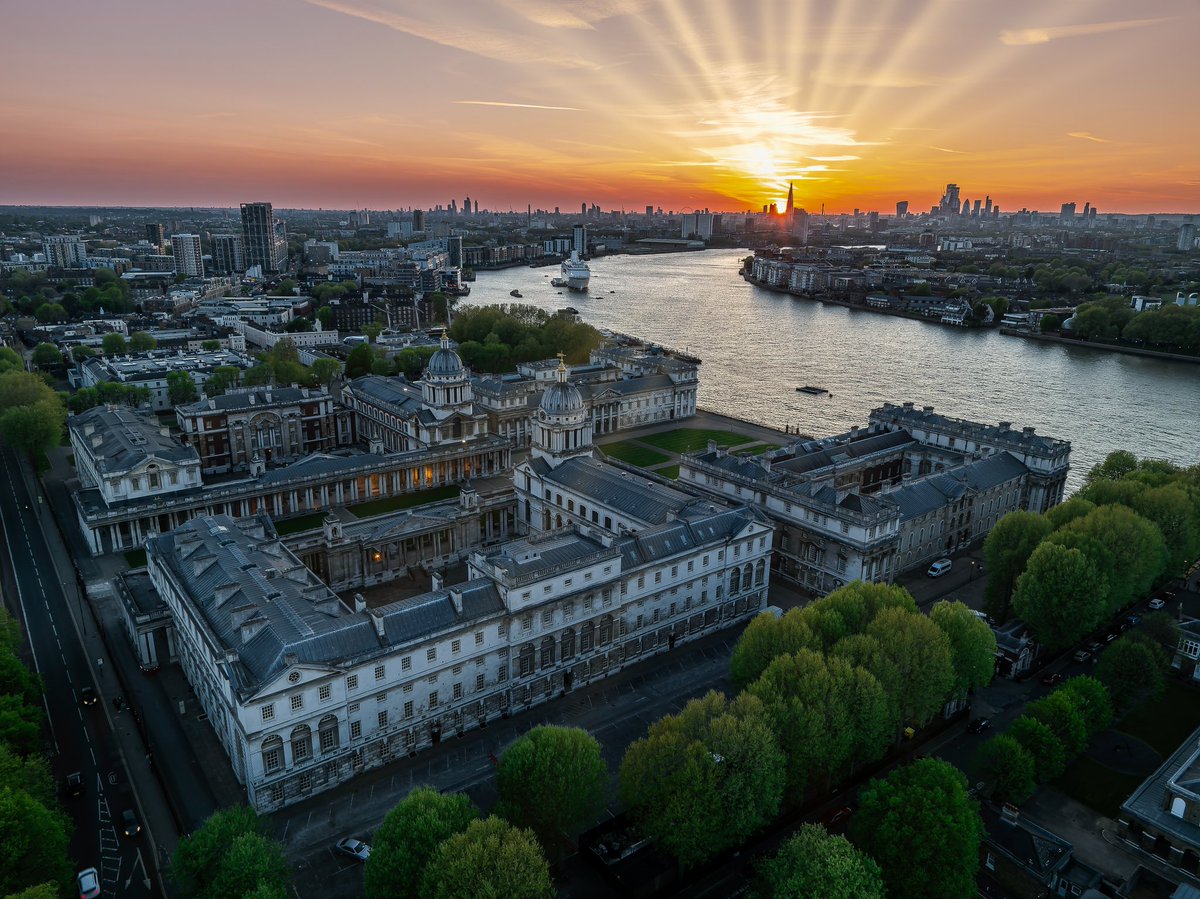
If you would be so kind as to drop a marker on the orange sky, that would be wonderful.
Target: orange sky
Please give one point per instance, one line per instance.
(677, 103)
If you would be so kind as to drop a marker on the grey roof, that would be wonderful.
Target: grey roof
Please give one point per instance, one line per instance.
(1149, 804)
(673, 538)
(910, 415)
(1030, 845)
(394, 393)
(120, 440)
(252, 397)
(917, 498)
(641, 499)
(625, 386)
(417, 617)
(524, 559)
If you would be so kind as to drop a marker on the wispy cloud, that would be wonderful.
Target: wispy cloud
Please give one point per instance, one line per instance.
(1083, 135)
(515, 105)
(946, 150)
(1020, 37)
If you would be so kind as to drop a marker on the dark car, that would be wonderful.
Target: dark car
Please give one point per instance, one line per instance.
(130, 823)
(1051, 679)
(87, 696)
(1081, 655)
(836, 816)
(979, 725)
(75, 784)
(1110, 636)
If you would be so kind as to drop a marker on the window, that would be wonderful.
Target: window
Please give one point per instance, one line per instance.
(355, 730)
(479, 683)
(433, 700)
(406, 663)
(658, 577)
(354, 707)
(479, 638)
(458, 691)
(641, 581)
(297, 702)
(352, 682)
(431, 654)
(268, 712)
(379, 672)
(547, 617)
(272, 754)
(382, 716)
(527, 623)
(325, 692)
(567, 582)
(301, 744)
(408, 709)
(456, 646)
(328, 732)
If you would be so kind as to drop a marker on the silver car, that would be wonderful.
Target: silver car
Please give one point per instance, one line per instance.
(355, 849)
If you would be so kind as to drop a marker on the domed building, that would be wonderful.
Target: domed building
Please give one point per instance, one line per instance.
(446, 382)
(562, 425)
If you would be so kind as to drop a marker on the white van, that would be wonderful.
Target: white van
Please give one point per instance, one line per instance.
(940, 567)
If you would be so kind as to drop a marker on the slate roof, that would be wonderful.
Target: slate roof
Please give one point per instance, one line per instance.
(1033, 847)
(127, 440)
(1149, 802)
(920, 497)
(254, 397)
(394, 393)
(625, 386)
(986, 432)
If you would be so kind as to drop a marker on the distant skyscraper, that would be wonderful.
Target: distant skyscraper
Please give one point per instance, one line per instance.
(477, 207)
(189, 258)
(418, 219)
(154, 233)
(454, 246)
(966, 208)
(579, 239)
(65, 251)
(791, 197)
(228, 254)
(467, 206)
(260, 238)
(975, 209)
(1187, 238)
(800, 226)
(949, 202)
(987, 205)
(902, 209)
(453, 207)
(583, 209)
(649, 211)
(1067, 213)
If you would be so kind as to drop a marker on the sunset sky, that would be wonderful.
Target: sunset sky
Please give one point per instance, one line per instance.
(684, 104)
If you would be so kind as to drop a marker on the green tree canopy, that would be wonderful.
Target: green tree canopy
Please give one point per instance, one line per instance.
(360, 361)
(140, 342)
(812, 863)
(1008, 769)
(1133, 668)
(1065, 513)
(1160, 627)
(1177, 516)
(1132, 551)
(35, 842)
(1007, 550)
(181, 388)
(705, 779)
(1043, 745)
(113, 344)
(29, 774)
(47, 355)
(324, 371)
(82, 351)
(920, 655)
(223, 377)
(229, 857)
(497, 338)
(1060, 595)
(408, 837)
(10, 360)
(1091, 699)
(491, 859)
(852, 608)
(1065, 719)
(552, 780)
(765, 639)
(35, 428)
(972, 645)
(923, 829)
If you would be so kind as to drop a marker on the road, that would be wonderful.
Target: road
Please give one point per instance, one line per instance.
(82, 736)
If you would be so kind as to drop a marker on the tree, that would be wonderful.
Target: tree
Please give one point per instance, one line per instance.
(814, 863)
(552, 780)
(1060, 595)
(972, 645)
(82, 351)
(1115, 466)
(919, 653)
(1044, 747)
(360, 361)
(705, 779)
(181, 388)
(141, 342)
(1050, 323)
(1007, 550)
(491, 859)
(1008, 769)
(765, 639)
(826, 714)
(1059, 713)
(923, 829)
(20, 725)
(372, 330)
(325, 317)
(33, 429)
(50, 312)
(40, 891)
(1175, 513)
(47, 355)
(1091, 699)
(1132, 668)
(29, 774)
(35, 842)
(851, 609)
(1064, 513)
(259, 376)
(222, 378)
(408, 837)
(1131, 552)
(324, 371)
(1160, 628)
(229, 857)
(113, 344)
(210, 346)
(10, 360)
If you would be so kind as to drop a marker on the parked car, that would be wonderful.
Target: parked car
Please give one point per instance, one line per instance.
(352, 848)
(940, 567)
(130, 822)
(87, 696)
(1110, 636)
(1157, 603)
(1081, 655)
(979, 725)
(1095, 646)
(1051, 679)
(89, 883)
(75, 784)
(836, 816)
(1133, 620)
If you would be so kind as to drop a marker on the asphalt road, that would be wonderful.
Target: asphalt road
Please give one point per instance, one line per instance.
(82, 736)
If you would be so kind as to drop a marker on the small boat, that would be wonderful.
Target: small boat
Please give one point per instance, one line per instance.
(514, 293)
(814, 391)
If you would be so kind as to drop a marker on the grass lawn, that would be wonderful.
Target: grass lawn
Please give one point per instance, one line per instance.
(759, 450)
(404, 501)
(628, 451)
(1096, 786)
(296, 525)
(1166, 721)
(686, 440)
(136, 558)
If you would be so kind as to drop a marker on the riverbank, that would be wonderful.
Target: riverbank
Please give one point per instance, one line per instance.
(1112, 348)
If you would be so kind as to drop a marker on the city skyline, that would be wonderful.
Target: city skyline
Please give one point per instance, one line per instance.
(352, 103)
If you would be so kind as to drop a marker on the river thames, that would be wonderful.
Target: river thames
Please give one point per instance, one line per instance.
(758, 346)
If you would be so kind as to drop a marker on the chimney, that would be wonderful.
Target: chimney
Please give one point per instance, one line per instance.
(1005, 425)
(377, 619)
(908, 407)
(360, 603)
(927, 408)
(435, 581)
(456, 600)
(1026, 432)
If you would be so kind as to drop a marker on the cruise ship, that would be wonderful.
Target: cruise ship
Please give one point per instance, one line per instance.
(575, 272)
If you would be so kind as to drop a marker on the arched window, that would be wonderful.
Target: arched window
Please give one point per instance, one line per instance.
(747, 575)
(606, 630)
(735, 581)
(567, 645)
(760, 572)
(1178, 807)
(546, 656)
(525, 660)
(302, 743)
(272, 754)
(327, 734)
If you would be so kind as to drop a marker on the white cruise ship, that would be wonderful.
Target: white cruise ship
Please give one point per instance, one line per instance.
(575, 272)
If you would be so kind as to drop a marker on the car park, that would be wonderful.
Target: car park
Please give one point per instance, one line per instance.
(979, 725)
(130, 822)
(87, 696)
(940, 567)
(352, 848)
(1081, 655)
(1051, 679)
(88, 881)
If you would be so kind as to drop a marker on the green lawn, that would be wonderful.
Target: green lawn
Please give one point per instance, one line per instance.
(628, 451)
(1096, 786)
(1166, 721)
(404, 501)
(136, 558)
(759, 450)
(668, 471)
(296, 525)
(686, 440)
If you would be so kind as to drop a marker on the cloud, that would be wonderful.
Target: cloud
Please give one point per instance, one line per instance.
(946, 149)
(1083, 135)
(878, 81)
(515, 105)
(1021, 37)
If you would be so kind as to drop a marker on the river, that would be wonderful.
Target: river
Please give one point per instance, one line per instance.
(758, 346)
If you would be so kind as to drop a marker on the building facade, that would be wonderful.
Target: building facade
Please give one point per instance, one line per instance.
(189, 257)
(228, 254)
(262, 239)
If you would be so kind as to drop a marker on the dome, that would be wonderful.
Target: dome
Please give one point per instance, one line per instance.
(445, 363)
(562, 398)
